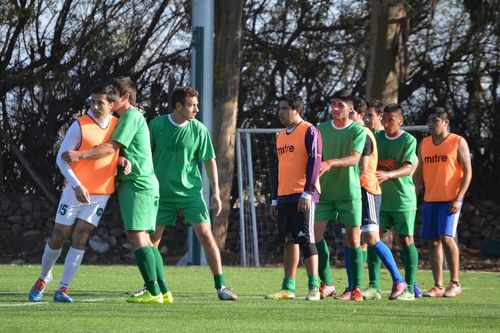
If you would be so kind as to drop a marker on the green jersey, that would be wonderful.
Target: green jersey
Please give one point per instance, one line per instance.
(341, 183)
(132, 134)
(398, 194)
(177, 151)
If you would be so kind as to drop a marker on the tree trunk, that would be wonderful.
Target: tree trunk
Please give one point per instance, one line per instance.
(387, 31)
(228, 34)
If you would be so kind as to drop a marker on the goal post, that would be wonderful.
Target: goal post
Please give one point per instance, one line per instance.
(255, 159)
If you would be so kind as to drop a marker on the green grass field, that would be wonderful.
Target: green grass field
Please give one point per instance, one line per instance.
(99, 304)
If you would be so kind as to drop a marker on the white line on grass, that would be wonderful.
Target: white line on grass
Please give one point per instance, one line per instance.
(24, 304)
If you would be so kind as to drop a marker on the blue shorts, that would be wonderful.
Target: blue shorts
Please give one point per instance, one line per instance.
(437, 221)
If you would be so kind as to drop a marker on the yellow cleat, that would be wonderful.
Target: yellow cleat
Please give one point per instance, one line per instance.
(282, 294)
(168, 298)
(146, 298)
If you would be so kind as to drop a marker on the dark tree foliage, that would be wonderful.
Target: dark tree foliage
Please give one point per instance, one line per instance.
(52, 52)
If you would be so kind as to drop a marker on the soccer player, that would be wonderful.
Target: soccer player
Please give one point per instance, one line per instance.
(444, 174)
(371, 199)
(137, 192)
(179, 143)
(340, 199)
(397, 150)
(90, 183)
(373, 116)
(295, 194)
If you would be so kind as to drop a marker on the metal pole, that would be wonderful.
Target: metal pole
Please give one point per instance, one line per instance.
(202, 80)
(243, 245)
(252, 201)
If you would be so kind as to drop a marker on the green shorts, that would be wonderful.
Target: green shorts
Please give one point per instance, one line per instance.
(194, 211)
(138, 209)
(402, 222)
(346, 212)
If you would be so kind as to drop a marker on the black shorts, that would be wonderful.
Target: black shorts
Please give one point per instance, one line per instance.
(295, 225)
(371, 211)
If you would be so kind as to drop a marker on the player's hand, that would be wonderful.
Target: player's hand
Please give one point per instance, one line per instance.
(71, 156)
(216, 204)
(324, 167)
(382, 176)
(274, 211)
(126, 164)
(82, 194)
(454, 207)
(304, 205)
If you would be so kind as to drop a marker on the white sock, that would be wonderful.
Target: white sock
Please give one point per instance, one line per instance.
(71, 265)
(49, 259)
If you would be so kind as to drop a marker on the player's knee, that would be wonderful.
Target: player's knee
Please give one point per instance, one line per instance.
(57, 240)
(308, 249)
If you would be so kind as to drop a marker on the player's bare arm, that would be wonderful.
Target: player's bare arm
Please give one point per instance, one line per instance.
(465, 162)
(344, 162)
(213, 178)
(404, 171)
(417, 176)
(100, 151)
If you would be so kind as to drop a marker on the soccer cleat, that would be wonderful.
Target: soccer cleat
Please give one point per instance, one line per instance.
(356, 295)
(282, 294)
(453, 290)
(138, 292)
(147, 298)
(36, 292)
(346, 295)
(434, 292)
(313, 295)
(226, 294)
(62, 296)
(417, 291)
(397, 289)
(406, 296)
(326, 290)
(168, 298)
(371, 294)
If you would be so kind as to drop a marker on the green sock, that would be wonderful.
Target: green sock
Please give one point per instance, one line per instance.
(325, 274)
(365, 256)
(374, 269)
(356, 263)
(313, 281)
(411, 265)
(146, 262)
(160, 273)
(404, 258)
(219, 281)
(288, 284)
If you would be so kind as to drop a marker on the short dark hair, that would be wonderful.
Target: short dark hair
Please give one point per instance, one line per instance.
(394, 108)
(440, 112)
(180, 93)
(105, 89)
(359, 105)
(344, 95)
(124, 84)
(294, 101)
(376, 104)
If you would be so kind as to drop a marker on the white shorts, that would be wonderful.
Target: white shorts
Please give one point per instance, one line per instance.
(70, 208)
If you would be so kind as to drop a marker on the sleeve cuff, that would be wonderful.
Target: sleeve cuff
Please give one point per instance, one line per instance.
(306, 195)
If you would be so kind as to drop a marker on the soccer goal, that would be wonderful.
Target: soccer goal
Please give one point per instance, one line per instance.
(256, 161)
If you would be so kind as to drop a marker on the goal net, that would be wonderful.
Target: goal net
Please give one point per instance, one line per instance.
(256, 160)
